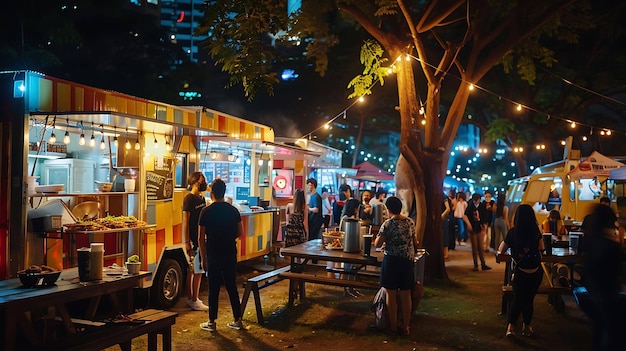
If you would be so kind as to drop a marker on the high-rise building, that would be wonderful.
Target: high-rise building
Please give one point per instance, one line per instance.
(180, 18)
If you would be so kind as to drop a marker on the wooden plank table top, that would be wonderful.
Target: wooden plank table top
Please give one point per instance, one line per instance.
(17, 301)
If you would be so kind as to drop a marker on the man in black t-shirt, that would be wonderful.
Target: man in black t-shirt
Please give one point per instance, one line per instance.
(475, 217)
(220, 226)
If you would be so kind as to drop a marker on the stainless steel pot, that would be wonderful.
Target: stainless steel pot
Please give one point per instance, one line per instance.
(377, 214)
(352, 237)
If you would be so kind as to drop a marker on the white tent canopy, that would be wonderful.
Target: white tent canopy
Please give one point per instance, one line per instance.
(595, 165)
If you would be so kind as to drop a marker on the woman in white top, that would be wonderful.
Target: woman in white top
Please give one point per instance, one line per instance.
(459, 211)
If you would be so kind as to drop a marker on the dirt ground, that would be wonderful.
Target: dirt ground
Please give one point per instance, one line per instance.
(462, 314)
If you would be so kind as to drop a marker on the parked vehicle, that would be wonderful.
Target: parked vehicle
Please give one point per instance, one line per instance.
(152, 143)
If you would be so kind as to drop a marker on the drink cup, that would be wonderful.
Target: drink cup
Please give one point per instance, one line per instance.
(129, 185)
(547, 242)
(574, 240)
(367, 244)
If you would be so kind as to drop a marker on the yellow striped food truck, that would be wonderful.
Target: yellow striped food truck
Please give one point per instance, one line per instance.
(88, 165)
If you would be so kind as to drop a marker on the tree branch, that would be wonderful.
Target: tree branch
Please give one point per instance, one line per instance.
(386, 40)
(422, 26)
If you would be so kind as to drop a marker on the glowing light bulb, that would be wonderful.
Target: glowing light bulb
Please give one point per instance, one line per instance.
(608, 132)
(519, 107)
(156, 144)
(92, 141)
(128, 146)
(137, 145)
(66, 138)
(102, 144)
(53, 139)
(584, 138)
(471, 87)
(81, 140)
(573, 124)
(115, 141)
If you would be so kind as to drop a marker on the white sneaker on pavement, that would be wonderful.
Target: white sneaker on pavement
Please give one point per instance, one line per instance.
(209, 326)
(236, 325)
(197, 305)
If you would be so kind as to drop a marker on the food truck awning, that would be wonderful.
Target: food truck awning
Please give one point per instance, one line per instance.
(122, 121)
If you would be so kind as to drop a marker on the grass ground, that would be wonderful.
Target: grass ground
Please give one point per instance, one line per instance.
(460, 314)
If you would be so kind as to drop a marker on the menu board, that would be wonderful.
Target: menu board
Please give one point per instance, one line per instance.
(159, 182)
(246, 174)
(243, 193)
(221, 171)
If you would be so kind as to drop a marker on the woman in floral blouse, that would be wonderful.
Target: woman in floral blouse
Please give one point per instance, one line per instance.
(396, 272)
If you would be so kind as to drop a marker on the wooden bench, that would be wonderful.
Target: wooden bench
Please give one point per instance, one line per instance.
(554, 296)
(155, 322)
(252, 285)
(297, 280)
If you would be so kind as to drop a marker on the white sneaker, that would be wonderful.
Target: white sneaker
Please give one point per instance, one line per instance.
(236, 325)
(209, 326)
(197, 305)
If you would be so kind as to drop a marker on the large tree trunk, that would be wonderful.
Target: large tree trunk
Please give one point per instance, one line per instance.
(419, 177)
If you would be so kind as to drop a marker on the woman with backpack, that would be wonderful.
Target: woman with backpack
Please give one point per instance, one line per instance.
(526, 243)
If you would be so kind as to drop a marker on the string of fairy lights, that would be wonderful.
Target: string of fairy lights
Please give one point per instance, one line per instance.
(603, 131)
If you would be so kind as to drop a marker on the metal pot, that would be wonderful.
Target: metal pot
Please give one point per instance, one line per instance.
(377, 214)
(352, 236)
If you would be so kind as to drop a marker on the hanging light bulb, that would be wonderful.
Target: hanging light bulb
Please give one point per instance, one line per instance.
(573, 124)
(53, 138)
(156, 143)
(213, 155)
(115, 141)
(92, 140)
(81, 139)
(66, 137)
(231, 157)
(102, 143)
(168, 146)
(137, 145)
(127, 145)
(519, 107)
(471, 87)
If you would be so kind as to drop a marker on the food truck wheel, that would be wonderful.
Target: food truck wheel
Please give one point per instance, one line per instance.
(168, 284)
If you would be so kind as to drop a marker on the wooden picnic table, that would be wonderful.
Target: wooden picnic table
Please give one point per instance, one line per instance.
(565, 256)
(20, 306)
(303, 255)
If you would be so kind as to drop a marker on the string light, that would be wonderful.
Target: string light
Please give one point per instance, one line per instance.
(519, 106)
(573, 125)
(584, 138)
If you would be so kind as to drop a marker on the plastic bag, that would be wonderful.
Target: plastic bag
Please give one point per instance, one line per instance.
(379, 307)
